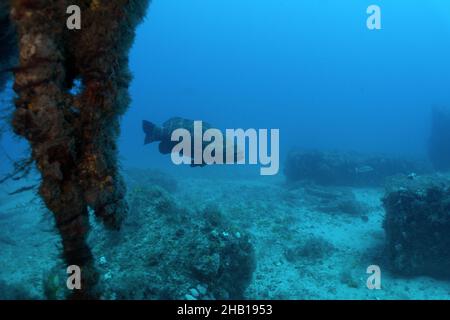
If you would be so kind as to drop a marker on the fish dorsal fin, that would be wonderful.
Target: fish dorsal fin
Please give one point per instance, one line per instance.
(182, 123)
(173, 121)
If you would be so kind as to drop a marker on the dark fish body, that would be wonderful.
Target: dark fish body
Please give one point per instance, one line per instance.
(163, 134)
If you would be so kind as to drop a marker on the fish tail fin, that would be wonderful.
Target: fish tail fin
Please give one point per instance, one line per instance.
(152, 132)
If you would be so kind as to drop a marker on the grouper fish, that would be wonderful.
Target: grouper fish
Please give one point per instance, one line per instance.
(163, 134)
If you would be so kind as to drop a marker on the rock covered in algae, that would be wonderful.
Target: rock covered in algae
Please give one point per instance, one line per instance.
(417, 225)
(347, 169)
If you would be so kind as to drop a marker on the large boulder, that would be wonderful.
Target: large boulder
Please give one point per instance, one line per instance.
(346, 169)
(417, 226)
(439, 143)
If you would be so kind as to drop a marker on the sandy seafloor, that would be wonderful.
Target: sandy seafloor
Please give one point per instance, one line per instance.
(276, 216)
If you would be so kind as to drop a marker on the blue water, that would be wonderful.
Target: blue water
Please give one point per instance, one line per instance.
(313, 70)
(310, 68)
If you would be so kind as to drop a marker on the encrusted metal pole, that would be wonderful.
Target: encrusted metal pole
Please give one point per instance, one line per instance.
(73, 137)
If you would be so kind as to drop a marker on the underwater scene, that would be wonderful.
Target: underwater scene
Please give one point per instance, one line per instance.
(225, 150)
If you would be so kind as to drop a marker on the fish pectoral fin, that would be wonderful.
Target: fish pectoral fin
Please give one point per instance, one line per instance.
(164, 148)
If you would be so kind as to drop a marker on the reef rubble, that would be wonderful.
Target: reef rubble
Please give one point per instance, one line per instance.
(169, 251)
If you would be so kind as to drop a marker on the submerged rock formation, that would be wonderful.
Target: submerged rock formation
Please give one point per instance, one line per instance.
(73, 136)
(417, 225)
(346, 169)
(439, 143)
